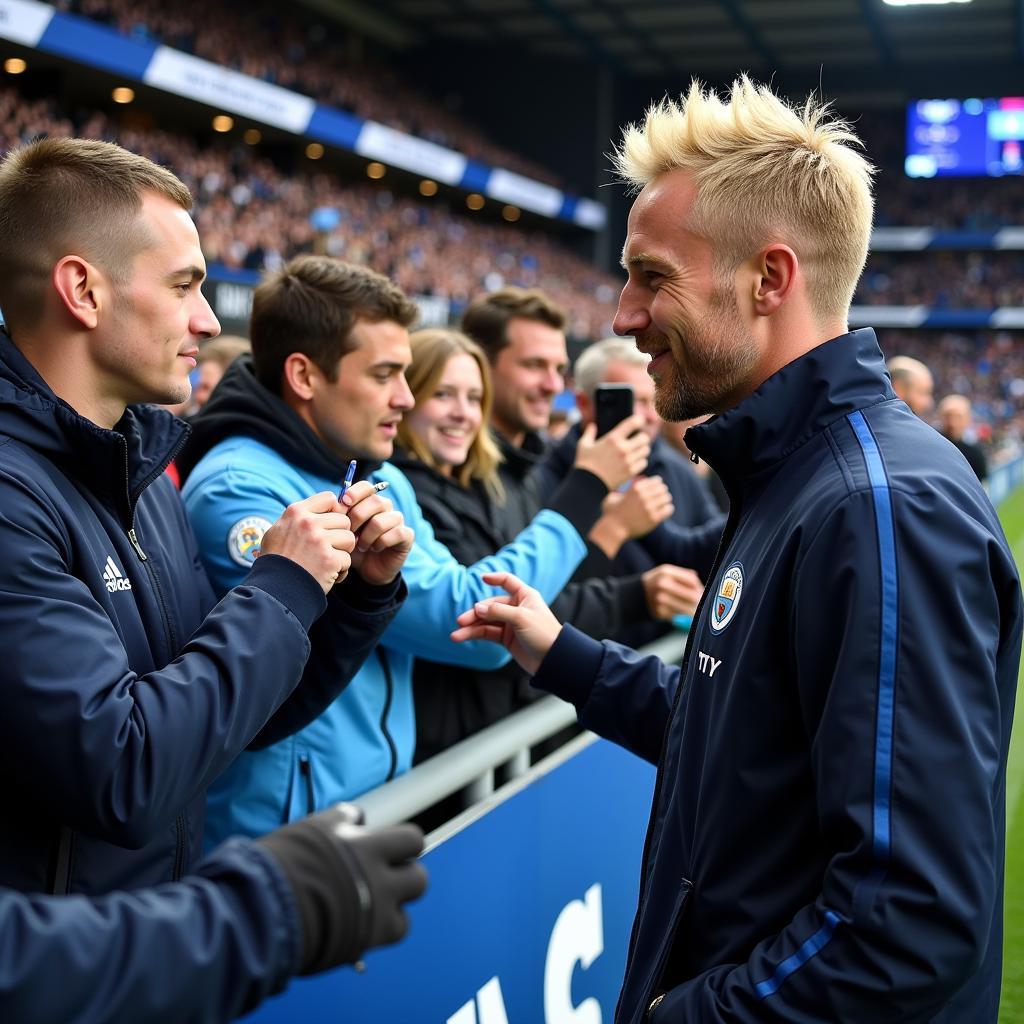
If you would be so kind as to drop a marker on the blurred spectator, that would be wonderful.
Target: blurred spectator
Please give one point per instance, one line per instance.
(912, 381)
(213, 360)
(955, 424)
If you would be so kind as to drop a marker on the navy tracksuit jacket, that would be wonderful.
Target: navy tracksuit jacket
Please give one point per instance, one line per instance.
(826, 839)
(126, 690)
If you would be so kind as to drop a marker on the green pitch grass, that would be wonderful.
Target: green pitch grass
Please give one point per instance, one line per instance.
(1011, 512)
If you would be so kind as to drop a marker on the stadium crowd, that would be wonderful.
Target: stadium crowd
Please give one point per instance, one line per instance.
(252, 214)
(943, 279)
(300, 53)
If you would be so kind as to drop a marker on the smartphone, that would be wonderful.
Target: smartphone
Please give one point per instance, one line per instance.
(612, 404)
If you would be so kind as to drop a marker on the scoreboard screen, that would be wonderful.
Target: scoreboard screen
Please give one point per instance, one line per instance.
(970, 138)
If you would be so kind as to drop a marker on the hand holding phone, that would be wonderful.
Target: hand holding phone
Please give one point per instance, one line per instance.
(612, 404)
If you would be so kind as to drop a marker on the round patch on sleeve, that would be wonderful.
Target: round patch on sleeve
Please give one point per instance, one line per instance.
(245, 538)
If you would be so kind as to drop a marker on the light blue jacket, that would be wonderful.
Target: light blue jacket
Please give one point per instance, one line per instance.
(367, 735)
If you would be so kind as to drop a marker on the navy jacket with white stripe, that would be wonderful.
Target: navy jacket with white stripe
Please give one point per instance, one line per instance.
(826, 840)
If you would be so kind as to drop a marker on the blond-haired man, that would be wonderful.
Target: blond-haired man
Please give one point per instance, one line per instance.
(826, 842)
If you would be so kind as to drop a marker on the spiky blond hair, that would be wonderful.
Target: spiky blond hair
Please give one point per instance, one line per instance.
(765, 171)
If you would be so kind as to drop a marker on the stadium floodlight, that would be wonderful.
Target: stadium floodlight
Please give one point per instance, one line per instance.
(223, 123)
(14, 65)
(376, 170)
(123, 94)
(314, 151)
(252, 136)
(510, 213)
(428, 187)
(922, 3)
(475, 201)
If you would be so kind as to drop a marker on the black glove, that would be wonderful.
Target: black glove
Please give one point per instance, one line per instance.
(349, 881)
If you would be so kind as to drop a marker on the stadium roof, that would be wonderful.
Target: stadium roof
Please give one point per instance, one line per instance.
(673, 39)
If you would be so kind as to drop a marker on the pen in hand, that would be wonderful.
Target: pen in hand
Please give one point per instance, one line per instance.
(350, 475)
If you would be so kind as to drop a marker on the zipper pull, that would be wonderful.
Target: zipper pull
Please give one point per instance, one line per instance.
(137, 545)
(695, 458)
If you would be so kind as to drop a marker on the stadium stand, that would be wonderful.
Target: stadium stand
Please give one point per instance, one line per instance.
(299, 52)
(252, 215)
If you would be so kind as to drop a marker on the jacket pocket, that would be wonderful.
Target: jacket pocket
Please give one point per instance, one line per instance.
(653, 987)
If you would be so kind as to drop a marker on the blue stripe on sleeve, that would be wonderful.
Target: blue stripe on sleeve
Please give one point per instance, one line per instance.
(887, 654)
(817, 942)
(884, 716)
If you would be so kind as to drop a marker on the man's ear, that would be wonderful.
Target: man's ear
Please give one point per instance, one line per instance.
(298, 374)
(83, 289)
(777, 271)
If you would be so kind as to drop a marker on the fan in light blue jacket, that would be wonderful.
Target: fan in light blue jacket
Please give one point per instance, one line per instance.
(258, 456)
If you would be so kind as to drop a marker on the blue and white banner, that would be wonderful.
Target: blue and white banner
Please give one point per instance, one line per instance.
(217, 86)
(527, 917)
(1005, 318)
(919, 239)
(379, 142)
(24, 21)
(507, 187)
(89, 43)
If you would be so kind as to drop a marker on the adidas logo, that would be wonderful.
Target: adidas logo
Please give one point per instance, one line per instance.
(113, 578)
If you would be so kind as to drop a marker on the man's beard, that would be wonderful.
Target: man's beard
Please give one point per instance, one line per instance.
(720, 355)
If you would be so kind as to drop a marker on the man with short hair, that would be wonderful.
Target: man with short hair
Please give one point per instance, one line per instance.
(955, 423)
(126, 689)
(827, 836)
(912, 381)
(326, 385)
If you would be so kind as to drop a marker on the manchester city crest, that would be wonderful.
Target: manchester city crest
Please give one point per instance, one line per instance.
(723, 608)
(245, 538)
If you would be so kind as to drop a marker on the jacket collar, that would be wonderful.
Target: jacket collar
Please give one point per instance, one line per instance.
(794, 404)
(521, 461)
(118, 463)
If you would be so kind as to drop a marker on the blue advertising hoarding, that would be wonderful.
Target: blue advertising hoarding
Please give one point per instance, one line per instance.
(527, 917)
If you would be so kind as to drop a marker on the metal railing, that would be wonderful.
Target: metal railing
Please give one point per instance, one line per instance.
(472, 766)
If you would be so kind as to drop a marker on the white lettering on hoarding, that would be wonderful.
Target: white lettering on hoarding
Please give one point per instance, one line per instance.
(577, 937)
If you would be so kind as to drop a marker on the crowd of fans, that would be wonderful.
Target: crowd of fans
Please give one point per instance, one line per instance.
(253, 215)
(943, 279)
(298, 52)
(985, 366)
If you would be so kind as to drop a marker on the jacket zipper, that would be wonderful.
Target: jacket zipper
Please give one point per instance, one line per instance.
(390, 689)
(180, 844)
(62, 867)
(306, 771)
(180, 825)
(727, 534)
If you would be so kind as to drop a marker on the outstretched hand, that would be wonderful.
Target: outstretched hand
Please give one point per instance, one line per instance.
(519, 620)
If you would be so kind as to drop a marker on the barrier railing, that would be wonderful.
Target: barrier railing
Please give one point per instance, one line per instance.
(472, 765)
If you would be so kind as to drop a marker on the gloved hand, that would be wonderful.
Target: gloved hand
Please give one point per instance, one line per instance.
(350, 882)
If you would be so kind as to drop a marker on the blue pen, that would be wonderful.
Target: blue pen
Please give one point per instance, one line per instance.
(350, 475)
